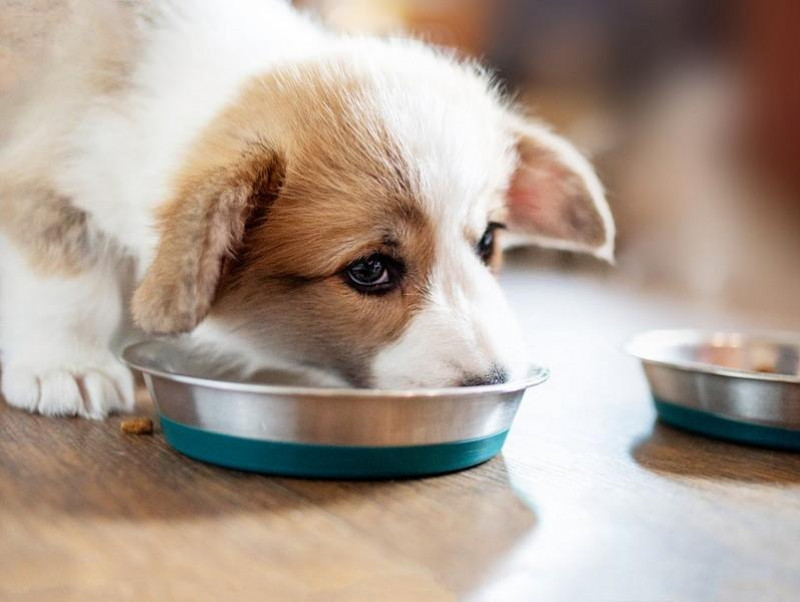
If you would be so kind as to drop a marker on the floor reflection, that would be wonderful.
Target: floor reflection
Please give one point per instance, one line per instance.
(473, 521)
(663, 451)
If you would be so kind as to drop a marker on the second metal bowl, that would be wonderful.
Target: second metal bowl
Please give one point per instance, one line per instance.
(739, 386)
(324, 432)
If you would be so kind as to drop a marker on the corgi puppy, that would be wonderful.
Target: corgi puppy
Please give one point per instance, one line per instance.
(301, 198)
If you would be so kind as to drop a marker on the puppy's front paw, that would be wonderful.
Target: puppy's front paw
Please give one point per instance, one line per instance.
(91, 388)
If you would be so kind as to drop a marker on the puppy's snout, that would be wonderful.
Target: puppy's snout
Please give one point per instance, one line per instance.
(495, 376)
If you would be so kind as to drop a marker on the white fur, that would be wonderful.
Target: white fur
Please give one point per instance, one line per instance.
(464, 331)
(55, 334)
(114, 154)
(192, 63)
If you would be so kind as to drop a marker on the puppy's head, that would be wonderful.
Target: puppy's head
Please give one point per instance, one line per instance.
(346, 214)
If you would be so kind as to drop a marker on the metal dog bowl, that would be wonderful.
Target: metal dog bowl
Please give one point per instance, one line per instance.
(739, 386)
(324, 432)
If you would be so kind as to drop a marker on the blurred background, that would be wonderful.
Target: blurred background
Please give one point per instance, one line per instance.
(690, 110)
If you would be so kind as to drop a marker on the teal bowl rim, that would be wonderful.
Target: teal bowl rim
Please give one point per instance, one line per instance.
(720, 427)
(329, 461)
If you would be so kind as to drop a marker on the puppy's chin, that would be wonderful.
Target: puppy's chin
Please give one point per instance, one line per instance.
(448, 377)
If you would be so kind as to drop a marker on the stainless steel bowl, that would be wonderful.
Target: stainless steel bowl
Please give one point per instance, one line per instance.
(323, 432)
(732, 385)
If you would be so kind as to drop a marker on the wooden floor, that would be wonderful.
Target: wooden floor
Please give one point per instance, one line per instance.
(591, 499)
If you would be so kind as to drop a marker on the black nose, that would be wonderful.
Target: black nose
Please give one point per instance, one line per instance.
(495, 376)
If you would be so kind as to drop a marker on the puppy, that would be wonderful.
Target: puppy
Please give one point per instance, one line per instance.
(304, 199)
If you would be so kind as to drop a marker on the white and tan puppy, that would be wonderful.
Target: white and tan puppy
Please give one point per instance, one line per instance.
(305, 199)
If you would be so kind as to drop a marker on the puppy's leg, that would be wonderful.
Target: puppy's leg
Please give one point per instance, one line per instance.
(60, 304)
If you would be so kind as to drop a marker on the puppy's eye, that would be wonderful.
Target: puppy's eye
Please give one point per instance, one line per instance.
(486, 244)
(372, 275)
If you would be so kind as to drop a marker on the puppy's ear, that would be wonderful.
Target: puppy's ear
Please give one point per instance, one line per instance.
(201, 230)
(555, 199)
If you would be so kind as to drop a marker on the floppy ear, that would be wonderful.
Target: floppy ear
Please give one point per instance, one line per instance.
(201, 230)
(555, 198)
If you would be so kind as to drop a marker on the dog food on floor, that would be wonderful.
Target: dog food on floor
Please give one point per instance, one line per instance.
(137, 426)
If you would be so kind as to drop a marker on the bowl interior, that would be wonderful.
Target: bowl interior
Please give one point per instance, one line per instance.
(763, 354)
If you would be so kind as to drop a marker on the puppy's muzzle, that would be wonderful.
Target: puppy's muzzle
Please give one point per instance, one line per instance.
(495, 376)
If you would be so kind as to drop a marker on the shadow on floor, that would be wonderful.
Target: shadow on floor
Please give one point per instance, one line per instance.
(458, 525)
(664, 451)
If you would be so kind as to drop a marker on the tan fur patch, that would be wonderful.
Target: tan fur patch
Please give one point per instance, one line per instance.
(289, 284)
(348, 192)
(200, 229)
(53, 234)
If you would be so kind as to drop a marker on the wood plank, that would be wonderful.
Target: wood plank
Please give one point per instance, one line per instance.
(90, 513)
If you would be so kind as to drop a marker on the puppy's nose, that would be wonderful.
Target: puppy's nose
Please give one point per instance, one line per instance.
(495, 376)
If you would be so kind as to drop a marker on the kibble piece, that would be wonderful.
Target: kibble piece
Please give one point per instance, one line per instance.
(137, 426)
